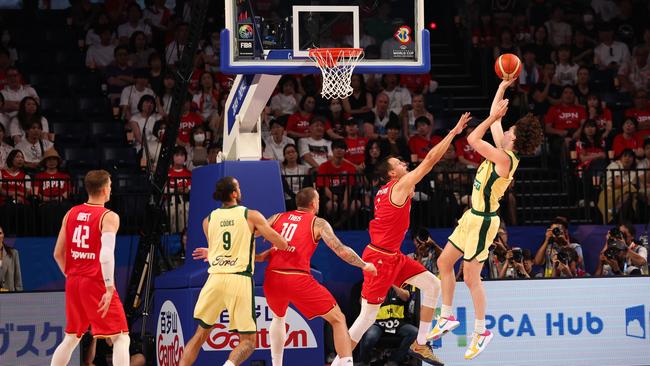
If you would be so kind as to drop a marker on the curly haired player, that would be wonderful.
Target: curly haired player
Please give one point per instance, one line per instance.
(478, 226)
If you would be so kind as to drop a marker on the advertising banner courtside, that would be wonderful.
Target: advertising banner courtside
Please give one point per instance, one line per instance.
(304, 344)
(590, 321)
(31, 327)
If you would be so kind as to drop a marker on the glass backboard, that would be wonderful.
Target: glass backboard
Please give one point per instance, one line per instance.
(274, 36)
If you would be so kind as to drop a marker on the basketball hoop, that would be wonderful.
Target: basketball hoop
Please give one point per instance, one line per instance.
(337, 65)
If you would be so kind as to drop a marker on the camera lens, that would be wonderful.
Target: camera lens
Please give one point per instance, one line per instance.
(557, 231)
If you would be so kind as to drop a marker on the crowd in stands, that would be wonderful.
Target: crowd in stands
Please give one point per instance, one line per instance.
(585, 74)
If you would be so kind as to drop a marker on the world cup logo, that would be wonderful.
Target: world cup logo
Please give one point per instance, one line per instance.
(403, 34)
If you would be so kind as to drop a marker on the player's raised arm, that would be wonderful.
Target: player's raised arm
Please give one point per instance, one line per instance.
(496, 128)
(324, 230)
(493, 154)
(59, 248)
(406, 184)
(261, 225)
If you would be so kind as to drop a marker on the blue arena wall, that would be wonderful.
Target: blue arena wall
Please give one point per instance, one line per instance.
(40, 272)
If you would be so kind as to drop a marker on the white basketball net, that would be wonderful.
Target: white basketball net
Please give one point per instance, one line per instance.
(337, 65)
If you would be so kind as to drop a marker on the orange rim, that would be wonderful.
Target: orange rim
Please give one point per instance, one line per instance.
(328, 57)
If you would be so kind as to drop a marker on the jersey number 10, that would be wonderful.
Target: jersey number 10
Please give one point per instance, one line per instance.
(81, 233)
(288, 230)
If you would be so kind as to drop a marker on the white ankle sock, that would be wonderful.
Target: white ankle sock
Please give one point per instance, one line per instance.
(479, 326)
(228, 363)
(446, 311)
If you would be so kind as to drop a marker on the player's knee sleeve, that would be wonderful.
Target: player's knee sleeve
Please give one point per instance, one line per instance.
(64, 351)
(366, 318)
(121, 355)
(277, 332)
(429, 286)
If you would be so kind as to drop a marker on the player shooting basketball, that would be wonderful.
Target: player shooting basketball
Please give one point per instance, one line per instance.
(478, 226)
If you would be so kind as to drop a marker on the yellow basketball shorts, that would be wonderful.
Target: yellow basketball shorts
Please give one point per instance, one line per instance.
(233, 292)
(474, 234)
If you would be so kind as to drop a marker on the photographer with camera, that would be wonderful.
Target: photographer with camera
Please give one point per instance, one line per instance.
(497, 253)
(556, 238)
(427, 251)
(565, 264)
(518, 264)
(622, 255)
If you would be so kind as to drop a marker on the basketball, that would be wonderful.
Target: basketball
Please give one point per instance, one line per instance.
(507, 66)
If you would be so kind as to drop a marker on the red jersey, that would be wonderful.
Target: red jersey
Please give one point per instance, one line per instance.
(225, 81)
(188, 122)
(642, 135)
(14, 186)
(391, 222)
(464, 149)
(336, 176)
(621, 143)
(53, 185)
(179, 179)
(565, 117)
(415, 83)
(641, 115)
(420, 146)
(83, 240)
(298, 123)
(583, 148)
(356, 149)
(298, 228)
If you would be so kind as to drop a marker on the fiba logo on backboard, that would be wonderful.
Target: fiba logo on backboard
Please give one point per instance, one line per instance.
(169, 336)
(245, 31)
(403, 34)
(299, 334)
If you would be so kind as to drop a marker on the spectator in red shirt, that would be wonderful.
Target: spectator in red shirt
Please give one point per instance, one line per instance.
(189, 120)
(565, 119)
(590, 148)
(628, 139)
(598, 112)
(180, 182)
(422, 142)
(336, 179)
(52, 184)
(641, 110)
(417, 83)
(14, 182)
(465, 152)
(180, 178)
(298, 124)
(356, 145)
(563, 122)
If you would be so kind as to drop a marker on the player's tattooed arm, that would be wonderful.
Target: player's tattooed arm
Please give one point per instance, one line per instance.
(342, 251)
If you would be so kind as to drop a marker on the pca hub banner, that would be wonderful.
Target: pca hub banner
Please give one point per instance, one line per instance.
(590, 321)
